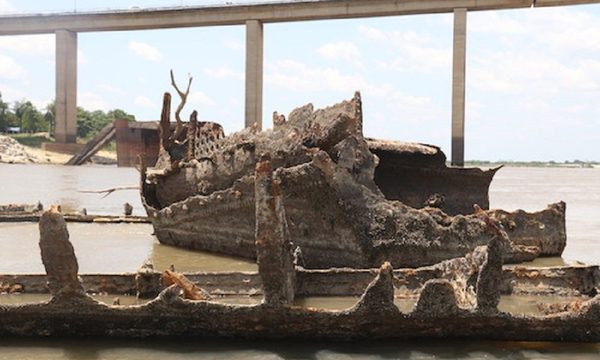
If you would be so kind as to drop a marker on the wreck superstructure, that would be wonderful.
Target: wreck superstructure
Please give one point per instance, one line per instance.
(349, 201)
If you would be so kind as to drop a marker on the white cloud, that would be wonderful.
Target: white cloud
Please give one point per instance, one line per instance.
(144, 102)
(10, 69)
(92, 101)
(413, 108)
(41, 104)
(32, 45)
(517, 72)
(223, 72)
(233, 45)
(293, 75)
(81, 58)
(6, 7)
(412, 118)
(545, 61)
(145, 51)
(39, 46)
(201, 98)
(558, 28)
(111, 89)
(10, 94)
(415, 52)
(486, 78)
(342, 50)
(372, 33)
(495, 22)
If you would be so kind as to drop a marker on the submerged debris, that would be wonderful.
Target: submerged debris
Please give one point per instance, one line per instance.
(58, 255)
(127, 209)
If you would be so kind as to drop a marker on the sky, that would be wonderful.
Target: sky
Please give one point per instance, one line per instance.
(532, 83)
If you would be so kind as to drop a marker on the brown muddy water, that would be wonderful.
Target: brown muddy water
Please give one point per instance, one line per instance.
(114, 248)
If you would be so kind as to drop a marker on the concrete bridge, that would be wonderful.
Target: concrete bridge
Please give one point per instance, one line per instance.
(253, 16)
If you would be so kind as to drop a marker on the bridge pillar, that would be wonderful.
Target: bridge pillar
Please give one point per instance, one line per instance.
(254, 73)
(458, 87)
(66, 87)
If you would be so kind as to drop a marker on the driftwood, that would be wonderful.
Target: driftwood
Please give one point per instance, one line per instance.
(190, 290)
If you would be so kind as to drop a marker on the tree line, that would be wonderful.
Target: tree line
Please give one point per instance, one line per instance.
(27, 118)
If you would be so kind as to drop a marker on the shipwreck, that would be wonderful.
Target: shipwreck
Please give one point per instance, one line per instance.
(325, 212)
(462, 293)
(349, 200)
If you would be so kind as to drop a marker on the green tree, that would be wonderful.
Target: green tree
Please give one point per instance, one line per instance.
(51, 117)
(118, 114)
(90, 123)
(25, 115)
(20, 107)
(30, 119)
(12, 120)
(84, 122)
(33, 121)
(4, 110)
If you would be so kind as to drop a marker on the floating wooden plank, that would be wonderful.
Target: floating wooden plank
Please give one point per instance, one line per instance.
(104, 219)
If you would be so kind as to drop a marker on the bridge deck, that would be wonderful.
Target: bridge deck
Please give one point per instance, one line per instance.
(303, 10)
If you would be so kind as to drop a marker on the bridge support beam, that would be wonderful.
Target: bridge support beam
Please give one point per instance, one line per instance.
(254, 73)
(458, 87)
(66, 87)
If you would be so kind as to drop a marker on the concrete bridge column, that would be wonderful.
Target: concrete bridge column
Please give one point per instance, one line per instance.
(458, 87)
(66, 86)
(254, 73)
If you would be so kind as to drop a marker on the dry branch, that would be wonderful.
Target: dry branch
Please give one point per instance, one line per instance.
(183, 96)
(111, 190)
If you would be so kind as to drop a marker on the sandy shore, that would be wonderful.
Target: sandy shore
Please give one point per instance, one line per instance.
(12, 152)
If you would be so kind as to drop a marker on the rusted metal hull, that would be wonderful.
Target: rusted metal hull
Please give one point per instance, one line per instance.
(417, 175)
(186, 319)
(568, 281)
(202, 197)
(227, 225)
(458, 300)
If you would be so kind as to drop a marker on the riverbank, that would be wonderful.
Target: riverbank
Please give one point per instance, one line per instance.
(13, 151)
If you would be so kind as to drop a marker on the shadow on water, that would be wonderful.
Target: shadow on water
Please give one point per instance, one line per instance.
(87, 349)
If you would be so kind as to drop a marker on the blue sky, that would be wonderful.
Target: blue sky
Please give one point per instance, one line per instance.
(533, 75)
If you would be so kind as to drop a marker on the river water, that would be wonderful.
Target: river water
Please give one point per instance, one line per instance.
(114, 248)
